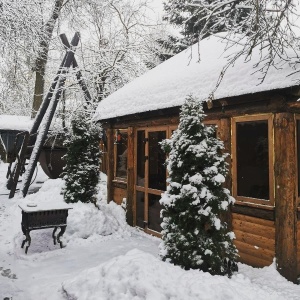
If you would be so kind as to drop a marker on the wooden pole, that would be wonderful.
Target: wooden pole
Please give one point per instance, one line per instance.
(79, 76)
(42, 135)
(110, 170)
(130, 176)
(285, 168)
(224, 134)
(43, 108)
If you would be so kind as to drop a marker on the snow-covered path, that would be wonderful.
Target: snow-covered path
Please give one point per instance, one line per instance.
(40, 273)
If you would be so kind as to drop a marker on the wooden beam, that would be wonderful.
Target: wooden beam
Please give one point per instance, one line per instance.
(130, 176)
(79, 75)
(264, 102)
(42, 134)
(285, 168)
(224, 134)
(110, 170)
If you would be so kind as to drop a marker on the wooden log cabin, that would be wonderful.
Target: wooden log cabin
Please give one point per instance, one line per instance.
(259, 123)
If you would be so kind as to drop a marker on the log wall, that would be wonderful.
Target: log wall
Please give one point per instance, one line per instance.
(298, 247)
(255, 239)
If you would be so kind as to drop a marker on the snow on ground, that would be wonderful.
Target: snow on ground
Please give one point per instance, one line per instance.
(104, 258)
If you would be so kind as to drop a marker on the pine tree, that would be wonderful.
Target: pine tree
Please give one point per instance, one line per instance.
(194, 234)
(81, 173)
(191, 17)
(168, 47)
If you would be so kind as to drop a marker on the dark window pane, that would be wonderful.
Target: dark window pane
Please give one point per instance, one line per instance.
(140, 202)
(154, 219)
(157, 169)
(252, 159)
(140, 178)
(298, 154)
(121, 165)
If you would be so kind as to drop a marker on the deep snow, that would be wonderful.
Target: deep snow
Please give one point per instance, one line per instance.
(104, 258)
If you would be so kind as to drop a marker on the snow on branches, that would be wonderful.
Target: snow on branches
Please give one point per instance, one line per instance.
(195, 235)
(81, 173)
(268, 25)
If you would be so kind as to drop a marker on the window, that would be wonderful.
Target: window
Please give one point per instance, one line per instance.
(150, 175)
(252, 159)
(121, 139)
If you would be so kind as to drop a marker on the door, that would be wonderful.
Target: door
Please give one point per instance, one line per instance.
(150, 178)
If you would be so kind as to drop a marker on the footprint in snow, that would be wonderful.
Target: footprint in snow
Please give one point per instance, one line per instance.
(8, 273)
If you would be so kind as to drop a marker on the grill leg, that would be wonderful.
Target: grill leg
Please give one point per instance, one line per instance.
(53, 235)
(24, 232)
(62, 231)
(28, 240)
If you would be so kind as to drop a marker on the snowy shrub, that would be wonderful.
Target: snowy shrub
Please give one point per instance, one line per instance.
(81, 173)
(194, 234)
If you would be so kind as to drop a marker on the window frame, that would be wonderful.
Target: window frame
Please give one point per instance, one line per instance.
(169, 129)
(297, 119)
(117, 178)
(253, 118)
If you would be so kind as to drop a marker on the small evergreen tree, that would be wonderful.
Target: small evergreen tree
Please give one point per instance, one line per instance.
(81, 173)
(194, 235)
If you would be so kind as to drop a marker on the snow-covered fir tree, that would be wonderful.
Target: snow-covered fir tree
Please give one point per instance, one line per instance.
(196, 18)
(81, 173)
(194, 234)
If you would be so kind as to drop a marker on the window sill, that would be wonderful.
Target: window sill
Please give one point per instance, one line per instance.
(119, 183)
(254, 202)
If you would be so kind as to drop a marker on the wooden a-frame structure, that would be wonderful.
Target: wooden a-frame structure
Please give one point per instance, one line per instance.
(33, 141)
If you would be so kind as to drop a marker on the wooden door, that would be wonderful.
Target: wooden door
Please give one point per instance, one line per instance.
(150, 178)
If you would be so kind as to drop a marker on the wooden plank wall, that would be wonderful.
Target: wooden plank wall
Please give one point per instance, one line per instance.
(119, 194)
(298, 247)
(255, 240)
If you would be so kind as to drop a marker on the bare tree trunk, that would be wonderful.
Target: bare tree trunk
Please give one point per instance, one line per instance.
(42, 58)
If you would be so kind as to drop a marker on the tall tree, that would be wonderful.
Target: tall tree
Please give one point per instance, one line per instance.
(26, 39)
(265, 25)
(116, 45)
(20, 35)
(42, 57)
(194, 234)
(119, 44)
(192, 19)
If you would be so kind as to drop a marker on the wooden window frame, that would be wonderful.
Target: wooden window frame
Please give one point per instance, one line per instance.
(244, 199)
(146, 189)
(116, 178)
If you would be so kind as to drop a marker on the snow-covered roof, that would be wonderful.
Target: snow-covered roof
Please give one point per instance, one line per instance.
(168, 84)
(13, 122)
